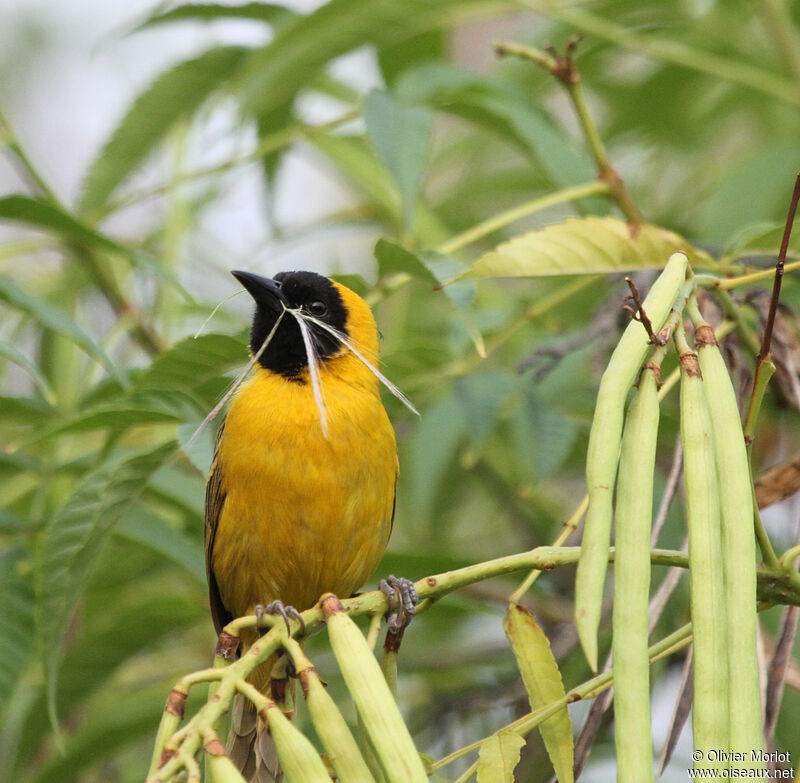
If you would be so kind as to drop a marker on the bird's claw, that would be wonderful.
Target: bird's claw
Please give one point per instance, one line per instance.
(402, 598)
(277, 607)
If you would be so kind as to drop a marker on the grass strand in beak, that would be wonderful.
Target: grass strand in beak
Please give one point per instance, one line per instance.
(235, 385)
(371, 367)
(313, 367)
(214, 312)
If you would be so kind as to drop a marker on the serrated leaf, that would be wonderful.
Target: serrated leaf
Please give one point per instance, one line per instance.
(198, 448)
(149, 530)
(302, 49)
(13, 354)
(269, 13)
(433, 446)
(72, 542)
(55, 319)
(394, 58)
(175, 95)
(501, 108)
(356, 160)
(141, 408)
(16, 619)
(105, 731)
(499, 756)
(582, 246)
(40, 214)
(393, 258)
(400, 135)
(543, 682)
(191, 362)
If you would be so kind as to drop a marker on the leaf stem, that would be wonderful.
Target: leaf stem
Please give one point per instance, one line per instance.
(502, 219)
(671, 51)
(564, 69)
(589, 689)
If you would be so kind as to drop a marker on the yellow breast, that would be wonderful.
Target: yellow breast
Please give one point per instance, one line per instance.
(303, 514)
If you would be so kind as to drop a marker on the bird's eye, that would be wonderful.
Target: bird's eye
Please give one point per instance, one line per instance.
(318, 308)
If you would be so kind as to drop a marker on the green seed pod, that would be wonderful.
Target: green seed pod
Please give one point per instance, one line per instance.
(632, 523)
(708, 603)
(170, 720)
(332, 730)
(603, 452)
(738, 545)
(299, 759)
(373, 699)
(219, 766)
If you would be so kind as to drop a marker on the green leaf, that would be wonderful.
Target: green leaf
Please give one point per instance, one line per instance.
(269, 13)
(393, 258)
(174, 96)
(16, 619)
(503, 109)
(400, 135)
(193, 361)
(142, 408)
(13, 354)
(72, 542)
(582, 246)
(106, 730)
(302, 49)
(356, 160)
(37, 213)
(482, 395)
(543, 682)
(498, 757)
(199, 449)
(395, 58)
(433, 445)
(543, 434)
(145, 528)
(52, 318)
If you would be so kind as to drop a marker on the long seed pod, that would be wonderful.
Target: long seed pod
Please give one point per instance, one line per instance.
(385, 727)
(632, 522)
(708, 604)
(170, 720)
(219, 766)
(738, 545)
(299, 759)
(603, 452)
(330, 726)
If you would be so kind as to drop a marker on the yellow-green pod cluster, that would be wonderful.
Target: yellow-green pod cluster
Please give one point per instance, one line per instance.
(632, 523)
(170, 720)
(738, 546)
(299, 759)
(331, 728)
(708, 605)
(220, 768)
(603, 452)
(375, 704)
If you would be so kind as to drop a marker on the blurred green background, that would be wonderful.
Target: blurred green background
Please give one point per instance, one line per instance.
(148, 151)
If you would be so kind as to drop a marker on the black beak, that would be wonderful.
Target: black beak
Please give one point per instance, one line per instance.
(264, 290)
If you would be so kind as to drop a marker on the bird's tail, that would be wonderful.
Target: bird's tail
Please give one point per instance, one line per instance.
(251, 747)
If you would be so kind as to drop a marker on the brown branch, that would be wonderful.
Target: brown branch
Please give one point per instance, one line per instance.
(638, 313)
(776, 285)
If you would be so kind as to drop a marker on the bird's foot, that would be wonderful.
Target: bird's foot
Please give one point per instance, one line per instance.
(277, 607)
(402, 598)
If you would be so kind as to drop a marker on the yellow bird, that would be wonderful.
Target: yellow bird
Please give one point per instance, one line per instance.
(300, 497)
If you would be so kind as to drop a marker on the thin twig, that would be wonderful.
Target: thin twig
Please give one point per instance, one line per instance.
(563, 68)
(778, 668)
(680, 713)
(779, 269)
(638, 314)
(671, 488)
